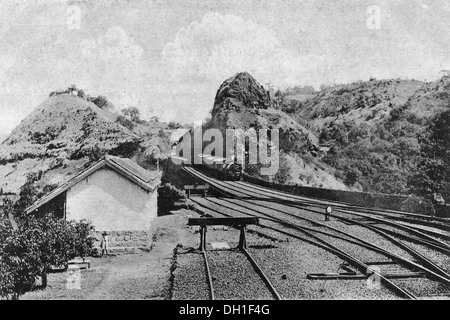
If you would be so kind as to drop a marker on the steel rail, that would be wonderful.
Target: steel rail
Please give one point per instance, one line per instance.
(443, 246)
(437, 272)
(416, 230)
(432, 265)
(208, 272)
(255, 266)
(278, 194)
(261, 274)
(338, 252)
(345, 204)
(237, 189)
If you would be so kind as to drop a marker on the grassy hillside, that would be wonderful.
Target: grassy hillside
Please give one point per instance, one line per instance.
(375, 134)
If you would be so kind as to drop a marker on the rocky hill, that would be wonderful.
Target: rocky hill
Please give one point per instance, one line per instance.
(362, 102)
(374, 132)
(375, 136)
(67, 133)
(242, 103)
(380, 135)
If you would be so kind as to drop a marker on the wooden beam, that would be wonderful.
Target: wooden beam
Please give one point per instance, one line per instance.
(241, 221)
(355, 276)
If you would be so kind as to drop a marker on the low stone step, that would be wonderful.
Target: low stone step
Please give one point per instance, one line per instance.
(80, 263)
(127, 250)
(129, 244)
(123, 242)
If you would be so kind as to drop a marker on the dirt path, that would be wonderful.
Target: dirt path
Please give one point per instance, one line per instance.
(144, 276)
(132, 278)
(128, 277)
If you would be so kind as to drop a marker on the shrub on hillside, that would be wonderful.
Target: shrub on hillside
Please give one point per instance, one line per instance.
(28, 194)
(418, 205)
(167, 196)
(284, 171)
(173, 125)
(133, 113)
(103, 103)
(125, 122)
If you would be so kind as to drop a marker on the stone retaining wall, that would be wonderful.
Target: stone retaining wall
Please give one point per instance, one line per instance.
(385, 201)
(124, 242)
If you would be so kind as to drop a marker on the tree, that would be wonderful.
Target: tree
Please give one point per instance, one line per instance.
(35, 247)
(80, 241)
(284, 171)
(81, 94)
(433, 174)
(38, 243)
(125, 122)
(133, 113)
(28, 194)
(103, 103)
(100, 101)
(446, 73)
(96, 153)
(173, 125)
(167, 196)
(51, 239)
(352, 176)
(19, 266)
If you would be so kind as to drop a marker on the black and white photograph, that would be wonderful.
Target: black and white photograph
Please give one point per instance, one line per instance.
(240, 151)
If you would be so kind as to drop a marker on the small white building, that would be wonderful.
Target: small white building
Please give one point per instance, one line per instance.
(115, 194)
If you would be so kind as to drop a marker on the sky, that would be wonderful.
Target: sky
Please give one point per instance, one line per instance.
(168, 58)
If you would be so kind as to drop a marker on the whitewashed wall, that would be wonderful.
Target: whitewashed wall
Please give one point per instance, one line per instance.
(111, 202)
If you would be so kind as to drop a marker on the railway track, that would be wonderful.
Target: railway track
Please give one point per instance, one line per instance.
(395, 214)
(243, 254)
(257, 192)
(245, 195)
(421, 236)
(438, 223)
(366, 212)
(319, 242)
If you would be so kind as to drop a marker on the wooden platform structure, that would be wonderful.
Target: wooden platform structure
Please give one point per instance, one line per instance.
(203, 187)
(238, 223)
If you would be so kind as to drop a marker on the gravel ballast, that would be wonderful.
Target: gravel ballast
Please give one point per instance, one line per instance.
(287, 259)
(190, 281)
(297, 215)
(234, 277)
